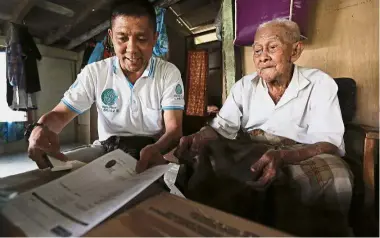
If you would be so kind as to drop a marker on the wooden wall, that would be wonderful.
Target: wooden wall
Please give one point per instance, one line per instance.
(344, 42)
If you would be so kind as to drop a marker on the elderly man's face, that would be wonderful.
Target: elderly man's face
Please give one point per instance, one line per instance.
(133, 39)
(273, 54)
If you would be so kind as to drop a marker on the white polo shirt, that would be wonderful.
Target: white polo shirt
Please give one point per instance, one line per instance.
(125, 109)
(308, 112)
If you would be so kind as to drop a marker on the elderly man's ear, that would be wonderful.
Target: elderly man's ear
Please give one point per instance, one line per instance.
(297, 51)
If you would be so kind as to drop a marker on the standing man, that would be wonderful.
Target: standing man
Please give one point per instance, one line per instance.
(136, 95)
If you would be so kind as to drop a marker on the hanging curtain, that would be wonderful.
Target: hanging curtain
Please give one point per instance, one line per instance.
(197, 73)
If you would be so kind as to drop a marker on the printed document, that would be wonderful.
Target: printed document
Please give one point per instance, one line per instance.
(78, 201)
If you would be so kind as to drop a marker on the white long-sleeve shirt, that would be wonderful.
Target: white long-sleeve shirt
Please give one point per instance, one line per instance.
(308, 112)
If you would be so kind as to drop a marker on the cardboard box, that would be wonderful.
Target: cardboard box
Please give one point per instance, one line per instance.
(168, 215)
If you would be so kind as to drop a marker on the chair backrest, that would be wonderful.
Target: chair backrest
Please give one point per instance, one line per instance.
(347, 97)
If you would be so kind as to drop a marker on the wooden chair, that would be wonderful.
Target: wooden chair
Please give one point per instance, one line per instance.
(361, 154)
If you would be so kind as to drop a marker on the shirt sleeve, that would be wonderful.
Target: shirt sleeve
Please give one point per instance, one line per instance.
(80, 96)
(228, 121)
(326, 124)
(173, 95)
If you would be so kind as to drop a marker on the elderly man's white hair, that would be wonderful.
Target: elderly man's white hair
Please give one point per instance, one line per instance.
(292, 30)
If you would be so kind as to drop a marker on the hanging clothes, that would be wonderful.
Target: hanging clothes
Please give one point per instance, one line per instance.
(97, 53)
(103, 50)
(22, 71)
(32, 54)
(11, 132)
(90, 46)
(162, 45)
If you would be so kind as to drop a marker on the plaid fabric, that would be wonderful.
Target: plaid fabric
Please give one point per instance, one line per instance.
(312, 197)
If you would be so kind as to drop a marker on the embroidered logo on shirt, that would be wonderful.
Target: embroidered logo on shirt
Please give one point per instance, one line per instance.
(178, 92)
(178, 89)
(109, 97)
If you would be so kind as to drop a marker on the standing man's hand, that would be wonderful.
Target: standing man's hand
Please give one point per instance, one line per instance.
(43, 141)
(150, 156)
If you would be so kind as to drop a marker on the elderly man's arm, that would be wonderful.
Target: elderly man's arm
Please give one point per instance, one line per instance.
(325, 134)
(295, 156)
(272, 160)
(226, 124)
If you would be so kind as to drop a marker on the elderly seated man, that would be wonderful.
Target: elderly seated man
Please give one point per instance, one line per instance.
(295, 109)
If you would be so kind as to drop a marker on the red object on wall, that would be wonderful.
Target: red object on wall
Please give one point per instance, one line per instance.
(197, 73)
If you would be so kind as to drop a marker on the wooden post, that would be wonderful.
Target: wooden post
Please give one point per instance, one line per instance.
(228, 49)
(369, 157)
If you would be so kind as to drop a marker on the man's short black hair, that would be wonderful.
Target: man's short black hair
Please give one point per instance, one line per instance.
(135, 8)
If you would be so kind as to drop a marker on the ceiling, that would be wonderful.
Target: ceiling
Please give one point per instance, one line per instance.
(68, 24)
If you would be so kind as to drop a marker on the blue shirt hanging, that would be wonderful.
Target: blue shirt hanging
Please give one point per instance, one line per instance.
(97, 54)
(162, 44)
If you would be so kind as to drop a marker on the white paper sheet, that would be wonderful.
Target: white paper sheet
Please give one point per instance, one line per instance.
(75, 203)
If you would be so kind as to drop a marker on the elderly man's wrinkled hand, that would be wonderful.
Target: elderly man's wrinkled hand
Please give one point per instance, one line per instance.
(266, 169)
(191, 146)
(149, 156)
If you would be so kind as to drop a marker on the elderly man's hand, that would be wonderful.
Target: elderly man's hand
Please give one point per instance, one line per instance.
(192, 145)
(149, 156)
(267, 167)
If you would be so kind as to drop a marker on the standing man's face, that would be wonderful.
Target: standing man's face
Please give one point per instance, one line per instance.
(133, 39)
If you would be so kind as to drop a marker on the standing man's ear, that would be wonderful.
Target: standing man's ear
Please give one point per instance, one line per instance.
(110, 32)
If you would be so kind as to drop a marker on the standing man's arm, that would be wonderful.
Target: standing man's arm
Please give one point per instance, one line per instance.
(58, 118)
(44, 138)
(152, 154)
(173, 131)
(172, 104)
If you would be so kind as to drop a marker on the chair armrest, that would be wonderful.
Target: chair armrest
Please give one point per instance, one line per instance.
(370, 156)
(370, 132)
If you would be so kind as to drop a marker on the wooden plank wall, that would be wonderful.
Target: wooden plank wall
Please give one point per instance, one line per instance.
(344, 42)
(228, 49)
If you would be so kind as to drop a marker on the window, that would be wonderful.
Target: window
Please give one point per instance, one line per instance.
(7, 114)
(208, 37)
